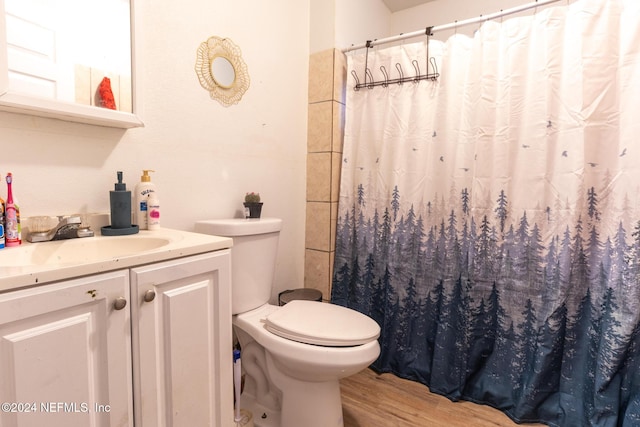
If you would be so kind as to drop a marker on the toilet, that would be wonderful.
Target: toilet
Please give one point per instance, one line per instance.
(293, 356)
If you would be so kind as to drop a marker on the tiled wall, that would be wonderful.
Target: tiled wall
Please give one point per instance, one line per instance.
(327, 74)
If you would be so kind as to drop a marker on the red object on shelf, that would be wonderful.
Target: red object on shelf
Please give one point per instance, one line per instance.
(106, 95)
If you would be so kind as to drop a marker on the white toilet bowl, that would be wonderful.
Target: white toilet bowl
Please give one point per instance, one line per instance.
(298, 383)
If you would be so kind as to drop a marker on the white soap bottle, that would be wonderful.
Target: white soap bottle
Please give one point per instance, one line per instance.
(142, 191)
(153, 212)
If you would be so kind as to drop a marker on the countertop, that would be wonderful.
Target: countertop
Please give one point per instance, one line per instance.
(37, 263)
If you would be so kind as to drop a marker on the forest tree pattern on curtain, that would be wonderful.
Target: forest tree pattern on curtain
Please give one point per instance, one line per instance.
(491, 223)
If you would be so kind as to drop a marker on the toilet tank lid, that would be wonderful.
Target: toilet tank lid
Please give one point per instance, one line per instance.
(233, 227)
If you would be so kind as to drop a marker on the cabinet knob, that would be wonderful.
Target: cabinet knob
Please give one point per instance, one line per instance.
(150, 295)
(120, 303)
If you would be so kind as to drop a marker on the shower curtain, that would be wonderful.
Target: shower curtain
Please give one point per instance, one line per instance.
(489, 221)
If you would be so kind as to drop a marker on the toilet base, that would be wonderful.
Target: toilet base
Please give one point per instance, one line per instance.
(307, 403)
(319, 405)
(262, 416)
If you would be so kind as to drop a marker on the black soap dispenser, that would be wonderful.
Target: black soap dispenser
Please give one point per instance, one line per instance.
(120, 201)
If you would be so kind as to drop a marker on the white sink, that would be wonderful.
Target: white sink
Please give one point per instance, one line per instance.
(33, 264)
(78, 251)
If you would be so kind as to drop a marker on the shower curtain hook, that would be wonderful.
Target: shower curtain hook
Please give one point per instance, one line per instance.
(355, 76)
(386, 76)
(416, 67)
(399, 68)
(367, 73)
(434, 65)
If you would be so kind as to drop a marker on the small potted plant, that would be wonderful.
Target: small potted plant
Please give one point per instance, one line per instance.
(252, 205)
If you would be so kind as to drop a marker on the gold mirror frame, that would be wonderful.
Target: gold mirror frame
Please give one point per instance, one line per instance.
(217, 47)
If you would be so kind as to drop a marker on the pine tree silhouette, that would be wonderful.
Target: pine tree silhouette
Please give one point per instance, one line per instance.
(340, 286)
(592, 202)
(526, 344)
(501, 210)
(541, 376)
(368, 283)
(395, 202)
(611, 348)
(465, 201)
(630, 398)
(408, 312)
(578, 369)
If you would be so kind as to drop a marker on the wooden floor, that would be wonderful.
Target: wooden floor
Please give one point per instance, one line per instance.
(372, 400)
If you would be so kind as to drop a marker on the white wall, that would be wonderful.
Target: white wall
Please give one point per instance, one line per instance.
(340, 24)
(360, 20)
(322, 25)
(206, 156)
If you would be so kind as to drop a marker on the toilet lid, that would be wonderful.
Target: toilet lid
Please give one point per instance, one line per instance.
(318, 323)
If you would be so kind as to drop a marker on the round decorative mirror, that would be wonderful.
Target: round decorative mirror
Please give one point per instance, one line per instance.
(221, 70)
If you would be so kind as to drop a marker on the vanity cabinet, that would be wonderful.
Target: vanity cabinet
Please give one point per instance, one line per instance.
(146, 346)
(65, 354)
(182, 348)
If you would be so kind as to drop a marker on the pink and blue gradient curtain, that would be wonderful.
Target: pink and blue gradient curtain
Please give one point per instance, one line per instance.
(490, 221)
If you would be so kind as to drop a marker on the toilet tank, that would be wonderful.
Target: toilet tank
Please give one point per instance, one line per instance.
(253, 257)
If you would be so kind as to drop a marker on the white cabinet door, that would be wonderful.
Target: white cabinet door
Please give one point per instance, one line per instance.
(65, 354)
(182, 345)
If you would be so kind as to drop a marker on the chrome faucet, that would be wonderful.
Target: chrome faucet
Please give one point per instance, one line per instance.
(67, 228)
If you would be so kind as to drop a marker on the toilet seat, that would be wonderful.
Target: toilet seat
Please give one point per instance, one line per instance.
(317, 323)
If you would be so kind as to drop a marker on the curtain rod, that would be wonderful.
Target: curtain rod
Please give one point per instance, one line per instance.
(456, 24)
